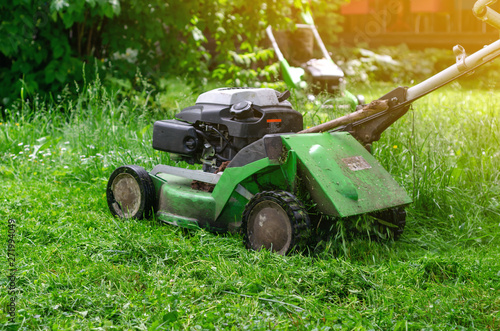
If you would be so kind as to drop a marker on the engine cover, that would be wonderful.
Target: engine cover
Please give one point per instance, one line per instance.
(270, 114)
(223, 121)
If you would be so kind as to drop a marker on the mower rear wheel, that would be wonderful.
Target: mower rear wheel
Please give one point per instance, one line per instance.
(130, 192)
(274, 220)
(391, 223)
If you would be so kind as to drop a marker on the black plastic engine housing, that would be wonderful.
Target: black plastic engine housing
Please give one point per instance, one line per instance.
(224, 121)
(175, 137)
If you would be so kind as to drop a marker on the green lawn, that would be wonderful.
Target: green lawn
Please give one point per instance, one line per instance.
(79, 268)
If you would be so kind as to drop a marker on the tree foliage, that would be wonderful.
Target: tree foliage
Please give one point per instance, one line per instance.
(43, 43)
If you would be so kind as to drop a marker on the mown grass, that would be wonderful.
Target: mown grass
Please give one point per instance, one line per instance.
(79, 268)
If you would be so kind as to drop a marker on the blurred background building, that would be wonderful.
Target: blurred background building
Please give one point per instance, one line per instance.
(417, 23)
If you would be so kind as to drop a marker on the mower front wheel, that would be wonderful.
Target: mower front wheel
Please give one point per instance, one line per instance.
(274, 220)
(130, 192)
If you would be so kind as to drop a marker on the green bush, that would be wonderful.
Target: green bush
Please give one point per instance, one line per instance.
(43, 44)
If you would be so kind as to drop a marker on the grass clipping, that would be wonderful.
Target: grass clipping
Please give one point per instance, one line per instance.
(376, 106)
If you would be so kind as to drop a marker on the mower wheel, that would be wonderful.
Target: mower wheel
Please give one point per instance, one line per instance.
(391, 223)
(274, 220)
(130, 192)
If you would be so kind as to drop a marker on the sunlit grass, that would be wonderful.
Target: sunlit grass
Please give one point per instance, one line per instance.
(79, 268)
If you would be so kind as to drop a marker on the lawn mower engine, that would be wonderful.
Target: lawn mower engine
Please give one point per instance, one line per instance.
(222, 122)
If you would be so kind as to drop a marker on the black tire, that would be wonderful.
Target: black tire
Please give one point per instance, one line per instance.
(390, 223)
(274, 220)
(130, 192)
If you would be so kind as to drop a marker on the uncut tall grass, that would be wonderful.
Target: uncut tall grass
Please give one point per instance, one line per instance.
(79, 268)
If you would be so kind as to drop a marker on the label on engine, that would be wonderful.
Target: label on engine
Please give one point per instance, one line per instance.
(274, 125)
(356, 163)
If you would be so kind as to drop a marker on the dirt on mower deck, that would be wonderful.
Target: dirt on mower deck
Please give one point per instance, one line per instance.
(206, 187)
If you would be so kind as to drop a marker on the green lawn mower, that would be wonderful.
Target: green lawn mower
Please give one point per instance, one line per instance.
(305, 63)
(260, 168)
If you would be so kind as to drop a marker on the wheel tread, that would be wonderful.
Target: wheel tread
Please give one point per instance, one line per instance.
(145, 183)
(291, 204)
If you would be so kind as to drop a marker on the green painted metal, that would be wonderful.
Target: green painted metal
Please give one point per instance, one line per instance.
(180, 205)
(342, 177)
(272, 177)
(291, 75)
(230, 216)
(232, 177)
(289, 170)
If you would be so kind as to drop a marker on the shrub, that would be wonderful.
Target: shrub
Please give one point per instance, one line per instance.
(43, 44)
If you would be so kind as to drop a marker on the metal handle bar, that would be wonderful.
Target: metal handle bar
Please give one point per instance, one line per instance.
(464, 63)
(277, 50)
(368, 130)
